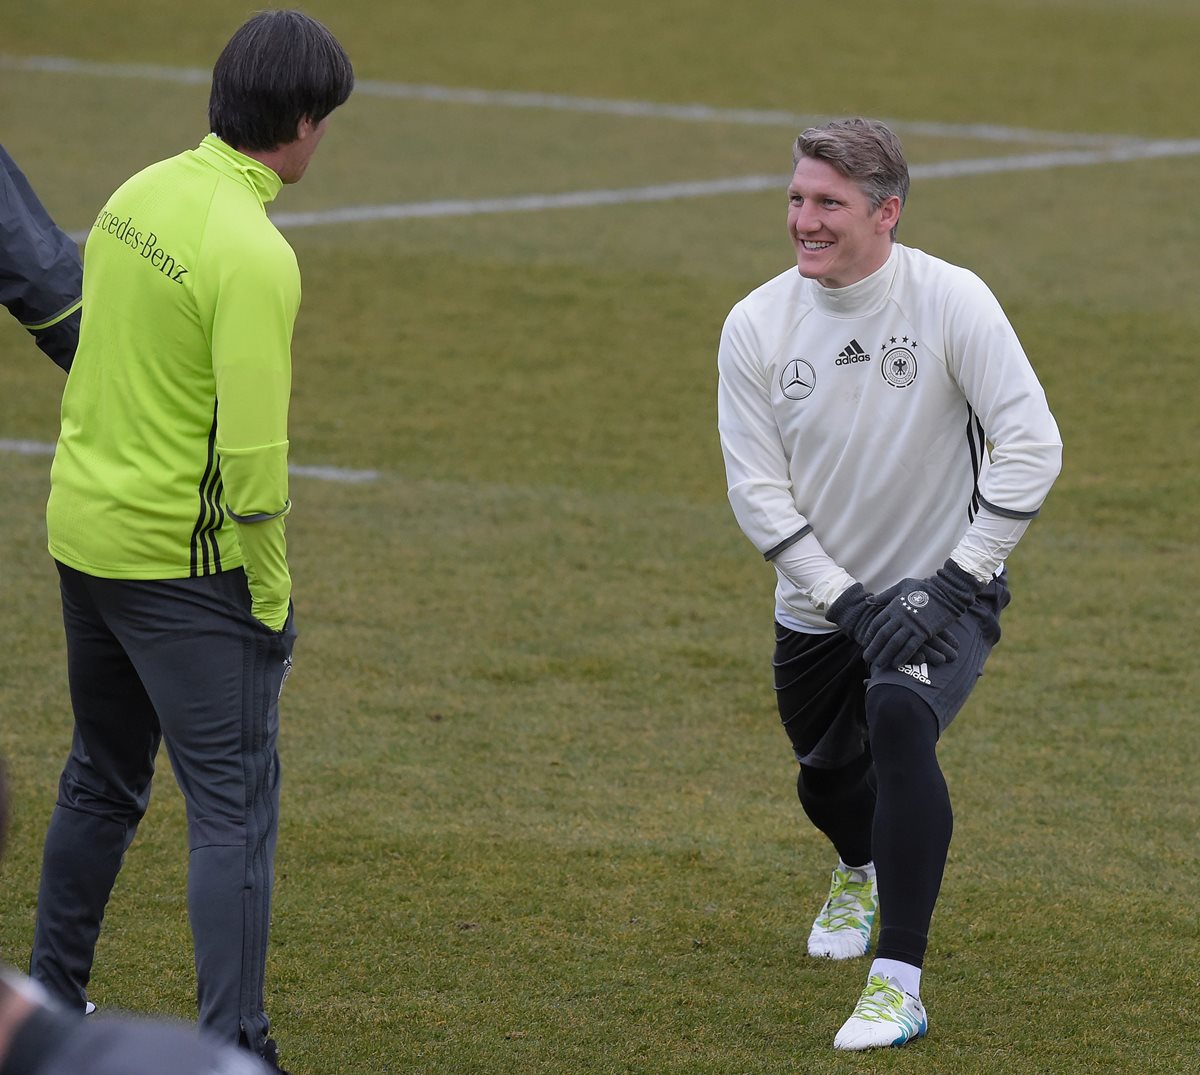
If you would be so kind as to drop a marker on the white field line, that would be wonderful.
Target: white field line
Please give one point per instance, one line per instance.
(1088, 149)
(25, 447)
(698, 113)
(736, 185)
(333, 474)
(531, 203)
(691, 113)
(583, 199)
(326, 474)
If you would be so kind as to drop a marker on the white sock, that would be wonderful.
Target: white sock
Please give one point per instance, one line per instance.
(906, 974)
(868, 870)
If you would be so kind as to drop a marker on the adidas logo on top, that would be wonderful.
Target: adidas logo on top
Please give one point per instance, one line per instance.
(919, 672)
(851, 353)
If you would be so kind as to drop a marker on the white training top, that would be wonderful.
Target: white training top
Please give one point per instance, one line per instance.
(855, 424)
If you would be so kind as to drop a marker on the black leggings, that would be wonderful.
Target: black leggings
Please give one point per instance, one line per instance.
(891, 806)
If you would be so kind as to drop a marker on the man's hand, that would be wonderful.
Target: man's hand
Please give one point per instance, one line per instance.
(856, 609)
(920, 610)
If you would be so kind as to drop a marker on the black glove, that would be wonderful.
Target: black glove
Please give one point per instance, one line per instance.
(917, 613)
(856, 609)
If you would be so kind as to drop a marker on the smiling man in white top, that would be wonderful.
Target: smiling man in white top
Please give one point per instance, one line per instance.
(886, 445)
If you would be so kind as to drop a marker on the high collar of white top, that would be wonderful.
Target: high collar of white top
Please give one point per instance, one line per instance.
(864, 296)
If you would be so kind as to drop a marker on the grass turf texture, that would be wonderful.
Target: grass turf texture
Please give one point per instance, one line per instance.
(537, 812)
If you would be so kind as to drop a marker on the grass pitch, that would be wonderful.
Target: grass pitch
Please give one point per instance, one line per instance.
(538, 814)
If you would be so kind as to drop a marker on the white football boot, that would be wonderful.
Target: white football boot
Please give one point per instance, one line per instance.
(843, 928)
(884, 1015)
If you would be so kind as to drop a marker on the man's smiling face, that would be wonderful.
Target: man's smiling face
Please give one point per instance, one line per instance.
(839, 239)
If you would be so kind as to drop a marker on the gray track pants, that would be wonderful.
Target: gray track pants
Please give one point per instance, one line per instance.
(181, 661)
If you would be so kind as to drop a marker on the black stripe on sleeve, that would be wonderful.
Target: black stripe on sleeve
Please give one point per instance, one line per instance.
(977, 443)
(787, 543)
(1009, 513)
(262, 516)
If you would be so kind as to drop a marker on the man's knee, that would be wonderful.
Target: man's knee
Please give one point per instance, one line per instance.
(814, 783)
(215, 832)
(107, 801)
(900, 724)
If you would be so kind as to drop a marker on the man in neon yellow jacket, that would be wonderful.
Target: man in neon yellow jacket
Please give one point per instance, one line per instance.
(169, 490)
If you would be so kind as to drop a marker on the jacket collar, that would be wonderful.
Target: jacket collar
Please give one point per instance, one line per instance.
(246, 170)
(861, 298)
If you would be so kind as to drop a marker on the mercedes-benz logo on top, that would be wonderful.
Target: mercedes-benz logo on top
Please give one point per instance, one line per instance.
(798, 379)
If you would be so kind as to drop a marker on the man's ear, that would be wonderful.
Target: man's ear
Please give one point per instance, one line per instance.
(889, 214)
(305, 127)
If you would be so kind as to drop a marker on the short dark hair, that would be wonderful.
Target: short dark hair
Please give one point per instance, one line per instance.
(278, 68)
(863, 150)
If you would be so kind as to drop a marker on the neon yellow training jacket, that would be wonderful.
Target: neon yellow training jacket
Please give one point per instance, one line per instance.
(172, 459)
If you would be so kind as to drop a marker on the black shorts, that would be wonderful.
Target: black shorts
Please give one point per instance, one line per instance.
(821, 681)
